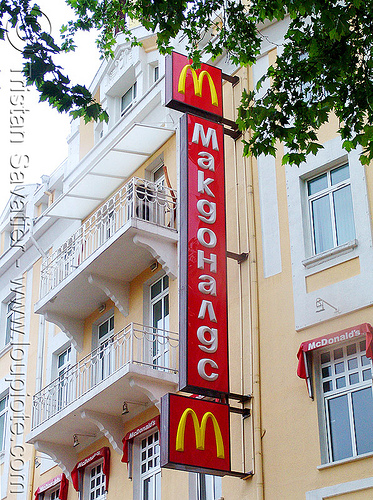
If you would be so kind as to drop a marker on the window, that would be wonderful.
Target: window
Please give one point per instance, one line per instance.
(159, 306)
(105, 332)
(3, 420)
(331, 211)
(54, 495)
(63, 364)
(128, 98)
(208, 487)
(346, 387)
(150, 471)
(10, 319)
(156, 73)
(96, 482)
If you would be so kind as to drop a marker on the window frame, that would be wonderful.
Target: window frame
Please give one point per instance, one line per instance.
(5, 413)
(9, 314)
(329, 192)
(323, 399)
(87, 480)
(133, 91)
(155, 470)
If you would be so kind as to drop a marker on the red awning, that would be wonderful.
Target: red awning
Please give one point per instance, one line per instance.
(61, 480)
(153, 422)
(334, 338)
(80, 466)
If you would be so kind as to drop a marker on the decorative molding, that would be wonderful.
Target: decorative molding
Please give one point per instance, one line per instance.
(153, 389)
(72, 327)
(117, 291)
(64, 456)
(110, 426)
(163, 250)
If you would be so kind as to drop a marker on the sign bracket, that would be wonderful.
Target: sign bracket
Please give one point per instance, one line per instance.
(241, 475)
(239, 257)
(245, 412)
(235, 134)
(231, 79)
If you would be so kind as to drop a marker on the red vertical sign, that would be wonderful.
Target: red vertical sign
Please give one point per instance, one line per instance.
(203, 276)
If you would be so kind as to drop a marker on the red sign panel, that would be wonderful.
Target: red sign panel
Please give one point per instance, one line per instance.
(195, 90)
(203, 274)
(197, 436)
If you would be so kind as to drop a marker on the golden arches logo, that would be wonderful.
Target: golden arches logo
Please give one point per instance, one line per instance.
(197, 82)
(200, 432)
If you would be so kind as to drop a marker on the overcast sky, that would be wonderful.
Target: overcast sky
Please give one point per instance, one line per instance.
(45, 130)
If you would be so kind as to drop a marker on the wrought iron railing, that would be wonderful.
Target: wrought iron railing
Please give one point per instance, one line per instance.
(137, 344)
(139, 199)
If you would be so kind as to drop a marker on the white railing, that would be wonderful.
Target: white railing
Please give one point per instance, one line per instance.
(138, 344)
(138, 199)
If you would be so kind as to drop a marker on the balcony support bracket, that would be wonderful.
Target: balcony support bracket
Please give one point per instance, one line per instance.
(72, 327)
(152, 388)
(117, 291)
(161, 249)
(110, 426)
(64, 456)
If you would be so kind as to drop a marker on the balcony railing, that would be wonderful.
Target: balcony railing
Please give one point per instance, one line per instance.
(138, 199)
(137, 344)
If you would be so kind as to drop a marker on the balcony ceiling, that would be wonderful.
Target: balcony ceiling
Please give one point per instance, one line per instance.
(109, 170)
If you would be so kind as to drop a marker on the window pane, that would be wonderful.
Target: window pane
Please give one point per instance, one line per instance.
(352, 363)
(339, 174)
(325, 357)
(354, 378)
(362, 402)
(2, 430)
(339, 368)
(340, 431)
(341, 382)
(351, 349)
(326, 371)
(146, 485)
(344, 219)
(156, 289)
(322, 224)
(327, 386)
(338, 353)
(126, 99)
(157, 314)
(317, 184)
(367, 375)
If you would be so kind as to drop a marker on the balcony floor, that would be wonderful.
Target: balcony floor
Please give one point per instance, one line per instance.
(127, 384)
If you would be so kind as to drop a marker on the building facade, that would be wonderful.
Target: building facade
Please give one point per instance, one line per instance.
(89, 308)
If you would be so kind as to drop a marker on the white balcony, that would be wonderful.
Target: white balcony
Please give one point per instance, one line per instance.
(118, 241)
(137, 365)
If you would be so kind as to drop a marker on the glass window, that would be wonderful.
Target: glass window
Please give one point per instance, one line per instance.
(3, 420)
(96, 482)
(208, 487)
(10, 320)
(150, 471)
(54, 494)
(127, 98)
(159, 305)
(64, 383)
(331, 210)
(348, 402)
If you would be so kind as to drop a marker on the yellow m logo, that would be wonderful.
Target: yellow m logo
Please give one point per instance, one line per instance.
(197, 82)
(200, 432)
